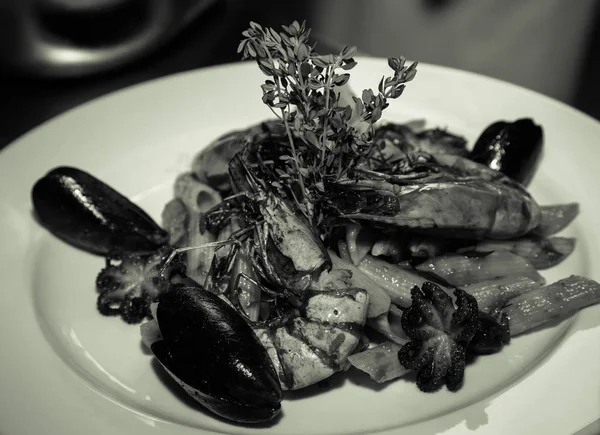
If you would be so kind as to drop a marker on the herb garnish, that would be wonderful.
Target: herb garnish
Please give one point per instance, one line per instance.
(326, 140)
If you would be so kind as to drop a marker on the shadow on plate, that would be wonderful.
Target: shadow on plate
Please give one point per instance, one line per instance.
(145, 349)
(363, 380)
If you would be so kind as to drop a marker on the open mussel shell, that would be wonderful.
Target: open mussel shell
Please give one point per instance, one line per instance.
(90, 215)
(210, 350)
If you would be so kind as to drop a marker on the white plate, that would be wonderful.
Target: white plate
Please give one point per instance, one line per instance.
(66, 369)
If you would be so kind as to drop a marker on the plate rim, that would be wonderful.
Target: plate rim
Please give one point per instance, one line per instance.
(361, 60)
(40, 129)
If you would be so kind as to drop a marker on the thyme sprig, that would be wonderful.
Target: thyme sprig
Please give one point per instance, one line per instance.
(327, 139)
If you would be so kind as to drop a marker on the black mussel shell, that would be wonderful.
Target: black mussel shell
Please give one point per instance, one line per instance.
(210, 350)
(513, 148)
(90, 215)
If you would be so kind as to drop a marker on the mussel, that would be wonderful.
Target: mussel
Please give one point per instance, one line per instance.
(210, 350)
(513, 148)
(90, 215)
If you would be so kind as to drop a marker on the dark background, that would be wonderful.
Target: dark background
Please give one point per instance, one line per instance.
(211, 39)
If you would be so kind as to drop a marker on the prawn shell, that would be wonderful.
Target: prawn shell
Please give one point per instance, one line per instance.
(291, 251)
(294, 241)
(211, 165)
(475, 209)
(210, 350)
(90, 215)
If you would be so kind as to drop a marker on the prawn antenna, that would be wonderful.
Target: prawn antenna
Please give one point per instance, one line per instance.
(234, 239)
(178, 251)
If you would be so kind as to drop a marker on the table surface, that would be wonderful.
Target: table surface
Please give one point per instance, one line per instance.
(211, 39)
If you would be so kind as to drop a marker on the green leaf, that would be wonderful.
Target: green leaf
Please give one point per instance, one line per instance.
(411, 71)
(266, 66)
(367, 96)
(341, 80)
(330, 159)
(303, 52)
(268, 98)
(336, 122)
(266, 62)
(398, 91)
(376, 114)
(319, 62)
(266, 71)
(276, 36)
(348, 52)
(286, 38)
(402, 62)
(347, 114)
(260, 51)
(349, 65)
(267, 87)
(296, 99)
(305, 69)
(306, 32)
(251, 49)
(359, 107)
(410, 75)
(325, 60)
(311, 137)
(310, 106)
(314, 84)
(290, 53)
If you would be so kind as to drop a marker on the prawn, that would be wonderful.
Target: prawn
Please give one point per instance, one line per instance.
(447, 195)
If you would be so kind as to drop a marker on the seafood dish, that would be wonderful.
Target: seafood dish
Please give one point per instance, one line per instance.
(327, 239)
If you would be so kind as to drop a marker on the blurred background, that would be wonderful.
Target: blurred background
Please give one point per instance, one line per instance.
(57, 54)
